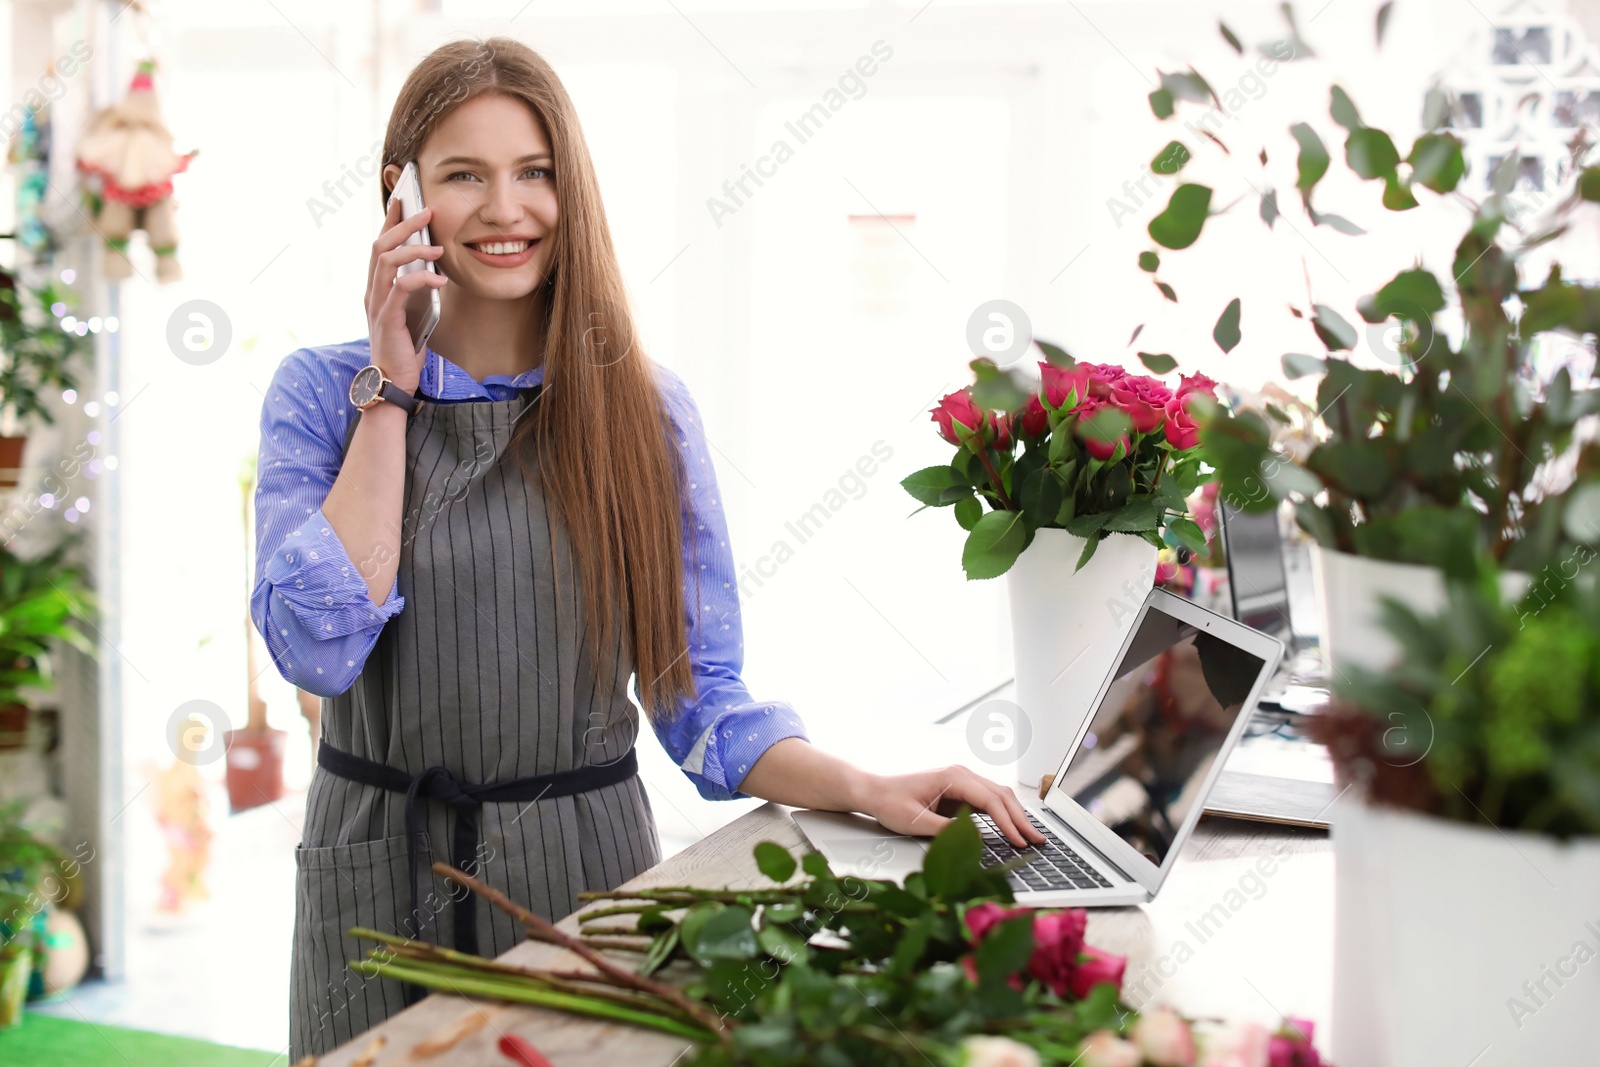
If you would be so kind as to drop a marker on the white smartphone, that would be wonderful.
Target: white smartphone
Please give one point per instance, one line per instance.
(422, 306)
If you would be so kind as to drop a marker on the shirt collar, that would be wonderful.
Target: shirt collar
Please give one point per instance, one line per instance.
(444, 380)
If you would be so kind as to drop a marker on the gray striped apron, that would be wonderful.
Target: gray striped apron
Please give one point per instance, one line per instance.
(486, 673)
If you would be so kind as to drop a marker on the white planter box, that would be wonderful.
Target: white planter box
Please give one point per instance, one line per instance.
(1066, 629)
(1348, 591)
(1461, 944)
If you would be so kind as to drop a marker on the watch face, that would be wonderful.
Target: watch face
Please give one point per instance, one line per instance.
(364, 387)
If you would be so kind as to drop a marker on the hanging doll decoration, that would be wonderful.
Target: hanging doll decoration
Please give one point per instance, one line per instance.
(128, 147)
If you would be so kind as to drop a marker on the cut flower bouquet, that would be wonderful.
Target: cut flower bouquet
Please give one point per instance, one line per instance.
(939, 970)
(1103, 451)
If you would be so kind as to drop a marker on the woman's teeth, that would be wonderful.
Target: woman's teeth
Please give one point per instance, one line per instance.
(509, 248)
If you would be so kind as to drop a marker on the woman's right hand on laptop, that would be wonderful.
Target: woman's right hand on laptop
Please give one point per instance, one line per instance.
(921, 803)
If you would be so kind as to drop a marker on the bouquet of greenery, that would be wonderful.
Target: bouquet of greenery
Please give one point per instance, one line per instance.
(1102, 452)
(1493, 712)
(845, 970)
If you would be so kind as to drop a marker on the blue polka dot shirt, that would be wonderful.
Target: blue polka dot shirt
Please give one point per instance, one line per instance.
(313, 608)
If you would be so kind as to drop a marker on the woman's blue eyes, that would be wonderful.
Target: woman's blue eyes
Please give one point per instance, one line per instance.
(542, 170)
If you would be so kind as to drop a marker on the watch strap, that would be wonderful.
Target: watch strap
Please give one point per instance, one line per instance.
(399, 397)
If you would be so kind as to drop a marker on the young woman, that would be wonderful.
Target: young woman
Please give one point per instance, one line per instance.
(470, 551)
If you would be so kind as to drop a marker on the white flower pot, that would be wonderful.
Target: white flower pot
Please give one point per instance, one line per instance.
(1462, 944)
(1348, 592)
(1065, 630)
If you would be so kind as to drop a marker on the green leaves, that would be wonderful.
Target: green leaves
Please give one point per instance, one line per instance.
(1149, 261)
(713, 931)
(1226, 331)
(1161, 103)
(1055, 354)
(1589, 183)
(1188, 532)
(1335, 333)
(953, 862)
(1185, 214)
(661, 950)
(774, 861)
(1370, 153)
(1437, 162)
(1107, 425)
(1004, 950)
(1411, 294)
(995, 388)
(1269, 207)
(1139, 513)
(1358, 468)
(1170, 160)
(934, 485)
(1297, 365)
(1042, 494)
(1343, 110)
(1188, 85)
(1158, 362)
(994, 544)
(1313, 162)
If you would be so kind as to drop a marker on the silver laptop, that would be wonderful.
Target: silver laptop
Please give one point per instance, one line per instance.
(1129, 790)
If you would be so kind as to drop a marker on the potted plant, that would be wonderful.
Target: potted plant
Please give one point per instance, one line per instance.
(41, 599)
(1439, 443)
(36, 354)
(1074, 519)
(25, 864)
(1467, 858)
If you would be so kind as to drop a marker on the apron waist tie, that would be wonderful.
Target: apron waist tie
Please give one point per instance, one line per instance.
(467, 800)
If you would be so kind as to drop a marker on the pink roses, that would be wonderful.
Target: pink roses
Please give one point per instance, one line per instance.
(957, 407)
(1163, 1038)
(1083, 390)
(1181, 429)
(1060, 958)
(1090, 388)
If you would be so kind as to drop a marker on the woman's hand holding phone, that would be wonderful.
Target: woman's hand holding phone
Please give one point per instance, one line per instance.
(387, 291)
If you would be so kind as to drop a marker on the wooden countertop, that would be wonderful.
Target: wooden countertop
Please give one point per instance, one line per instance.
(1243, 928)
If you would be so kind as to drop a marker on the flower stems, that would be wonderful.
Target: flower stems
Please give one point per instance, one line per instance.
(456, 980)
(547, 931)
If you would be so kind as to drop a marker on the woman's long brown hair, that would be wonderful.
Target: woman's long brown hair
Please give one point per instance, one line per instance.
(616, 486)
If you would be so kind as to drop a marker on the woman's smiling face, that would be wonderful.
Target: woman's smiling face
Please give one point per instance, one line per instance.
(486, 172)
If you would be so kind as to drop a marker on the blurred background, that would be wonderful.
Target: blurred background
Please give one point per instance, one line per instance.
(998, 151)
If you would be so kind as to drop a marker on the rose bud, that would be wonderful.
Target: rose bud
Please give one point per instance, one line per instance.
(1163, 1037)
(1098, 967)
(1105, 1049)
(953, 408)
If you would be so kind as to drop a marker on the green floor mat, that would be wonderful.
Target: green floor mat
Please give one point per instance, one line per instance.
(46, 1041)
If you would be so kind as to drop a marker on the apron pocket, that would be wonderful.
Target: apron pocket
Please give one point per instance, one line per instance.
(365, 884)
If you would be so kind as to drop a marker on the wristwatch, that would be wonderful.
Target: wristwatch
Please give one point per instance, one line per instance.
(370, 386)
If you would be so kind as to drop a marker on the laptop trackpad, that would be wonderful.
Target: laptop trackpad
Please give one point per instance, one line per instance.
(866, 857)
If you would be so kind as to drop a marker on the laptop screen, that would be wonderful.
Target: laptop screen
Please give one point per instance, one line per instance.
(1175, 697)
(1260, 587)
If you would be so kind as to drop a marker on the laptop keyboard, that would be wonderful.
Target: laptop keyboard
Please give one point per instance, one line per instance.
(1054, 866)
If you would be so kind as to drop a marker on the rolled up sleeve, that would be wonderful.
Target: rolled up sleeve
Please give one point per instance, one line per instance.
(718, 736)
(309, 602)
